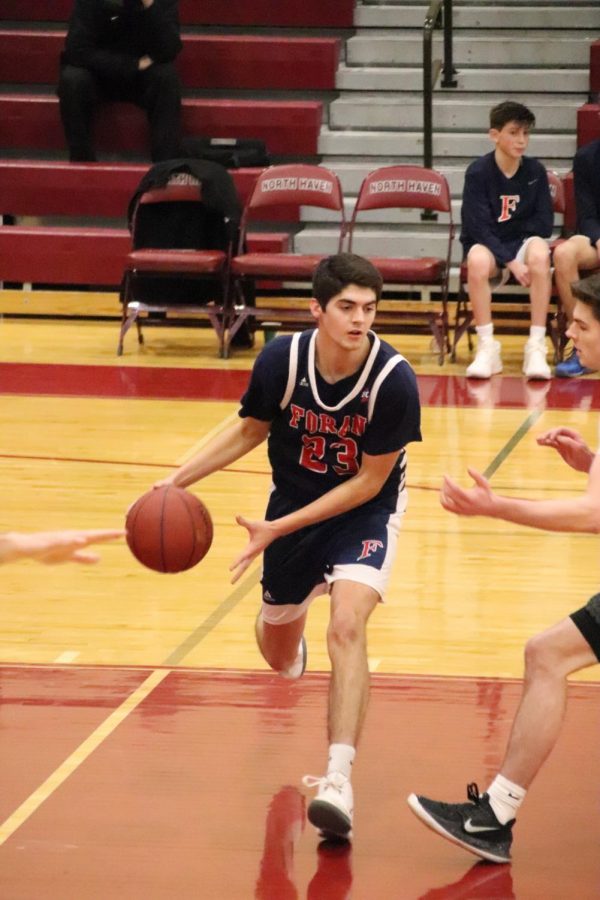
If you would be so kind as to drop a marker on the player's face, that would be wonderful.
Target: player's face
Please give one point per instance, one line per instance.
(584, 331)
(347, 317)
(511, 140)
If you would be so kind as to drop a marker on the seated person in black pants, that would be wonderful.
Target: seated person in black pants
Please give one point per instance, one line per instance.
(121, 50)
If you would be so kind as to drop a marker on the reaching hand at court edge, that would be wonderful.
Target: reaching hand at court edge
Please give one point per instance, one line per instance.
(54, 546)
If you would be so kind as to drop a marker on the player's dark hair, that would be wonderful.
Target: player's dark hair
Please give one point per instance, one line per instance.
(588, 291)
(336, 272)
(509, 111)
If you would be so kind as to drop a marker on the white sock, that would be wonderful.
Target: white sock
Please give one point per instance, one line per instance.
(341, 757)
(485, 332)
(505, 798)
(537, 332)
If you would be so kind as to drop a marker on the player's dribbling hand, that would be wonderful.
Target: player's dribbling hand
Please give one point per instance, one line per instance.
(571, 446)
(261, 534)
(474, 501)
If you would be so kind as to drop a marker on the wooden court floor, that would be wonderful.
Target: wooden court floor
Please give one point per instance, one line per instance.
(147, 751)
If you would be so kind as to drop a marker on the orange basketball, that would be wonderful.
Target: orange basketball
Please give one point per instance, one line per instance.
(169, 529)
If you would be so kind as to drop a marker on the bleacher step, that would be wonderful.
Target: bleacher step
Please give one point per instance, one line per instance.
(400, 15)
(556, 112)
(408, 144)
(407, 78)
(492, 48)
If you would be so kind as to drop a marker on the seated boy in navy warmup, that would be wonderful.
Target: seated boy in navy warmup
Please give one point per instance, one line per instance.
(506, 216)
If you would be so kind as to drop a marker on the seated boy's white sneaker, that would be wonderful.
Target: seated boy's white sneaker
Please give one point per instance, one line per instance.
(535, 365)
(331, 810)
(487, 360)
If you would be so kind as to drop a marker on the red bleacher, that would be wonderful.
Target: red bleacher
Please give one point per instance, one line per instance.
(32, 122)
(55, 188)
(80, 255)
(588, 123)
(307, 14)
(215, 61)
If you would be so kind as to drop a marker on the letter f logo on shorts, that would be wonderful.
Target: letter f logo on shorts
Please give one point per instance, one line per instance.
(368, 548)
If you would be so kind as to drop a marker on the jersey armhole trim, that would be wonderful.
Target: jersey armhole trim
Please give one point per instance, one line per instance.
(390, 364)
(292, 371)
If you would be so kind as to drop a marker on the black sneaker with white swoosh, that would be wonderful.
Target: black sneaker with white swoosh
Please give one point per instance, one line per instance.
(471, 825)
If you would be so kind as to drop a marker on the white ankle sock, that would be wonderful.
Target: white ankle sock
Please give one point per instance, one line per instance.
(485, 332)
(341, 757)
(537, 332)
(505, 798)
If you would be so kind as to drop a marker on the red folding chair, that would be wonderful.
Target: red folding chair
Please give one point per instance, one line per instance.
(287, 187)
(412, 187)
(161, 281)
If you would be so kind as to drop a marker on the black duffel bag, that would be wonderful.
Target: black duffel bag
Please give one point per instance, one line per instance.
(233, 153)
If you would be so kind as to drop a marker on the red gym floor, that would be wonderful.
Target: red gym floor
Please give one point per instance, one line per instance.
(194, 791)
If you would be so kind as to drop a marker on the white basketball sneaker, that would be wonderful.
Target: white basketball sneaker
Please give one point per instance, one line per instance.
(296, 670)
(535, 365)
(487, 360)
(331, 810)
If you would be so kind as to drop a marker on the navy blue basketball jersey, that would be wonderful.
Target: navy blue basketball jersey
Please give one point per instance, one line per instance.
(319, 431)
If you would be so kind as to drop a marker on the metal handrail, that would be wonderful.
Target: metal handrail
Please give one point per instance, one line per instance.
(432, 68)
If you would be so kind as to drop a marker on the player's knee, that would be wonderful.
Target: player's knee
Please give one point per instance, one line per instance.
(479, 263)
(75, 82)
(163, 77)
(564, 256)
(538, 260)
(542, 657)
(345, 629)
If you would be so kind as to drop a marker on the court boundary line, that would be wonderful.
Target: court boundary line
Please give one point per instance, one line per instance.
(512, 442)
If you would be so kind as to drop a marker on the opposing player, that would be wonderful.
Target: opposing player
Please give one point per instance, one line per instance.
(54, 546)
(484, 824)
(338, 407)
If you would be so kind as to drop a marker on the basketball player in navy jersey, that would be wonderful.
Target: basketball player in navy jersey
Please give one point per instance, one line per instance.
(337, 407)
(483, 825)
(506, 216)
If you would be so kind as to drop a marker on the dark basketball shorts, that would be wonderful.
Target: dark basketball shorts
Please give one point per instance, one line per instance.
(518, 251)
(587, 620)
(359, 545)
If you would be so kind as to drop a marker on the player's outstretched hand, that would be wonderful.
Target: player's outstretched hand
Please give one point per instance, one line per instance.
(55, 546)
(260, 534)
(571, 447)
(474, 501)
